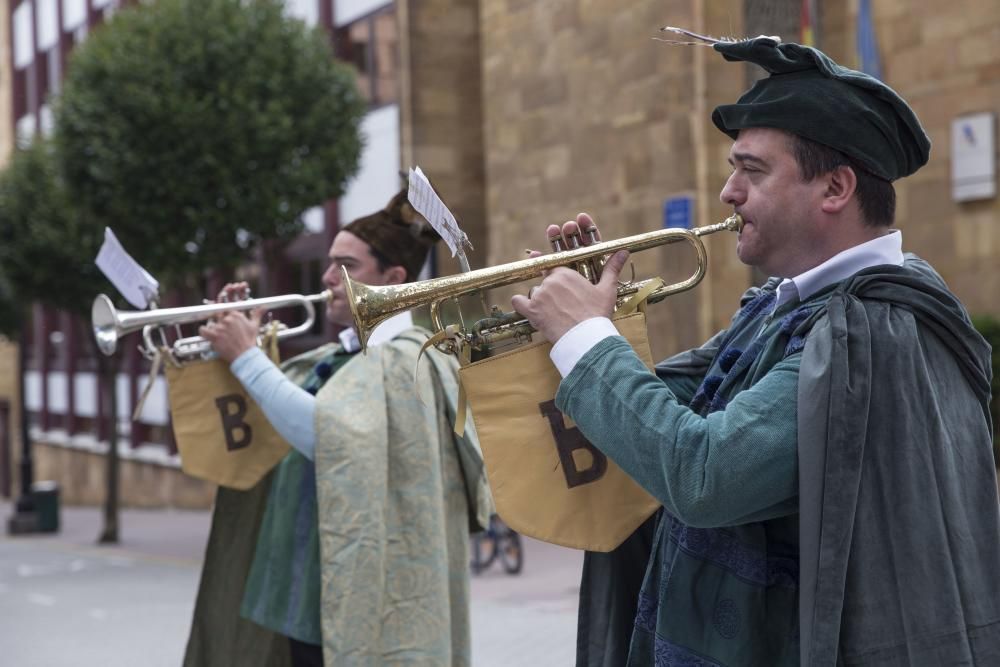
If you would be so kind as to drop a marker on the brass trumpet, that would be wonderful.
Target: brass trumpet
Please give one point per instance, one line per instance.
(372, 305)
(110, 324)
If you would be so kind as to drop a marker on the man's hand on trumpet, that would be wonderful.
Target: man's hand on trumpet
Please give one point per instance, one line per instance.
(565, 298)
(233, 332)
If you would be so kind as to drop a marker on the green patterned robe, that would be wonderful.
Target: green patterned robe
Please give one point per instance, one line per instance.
(397, 494)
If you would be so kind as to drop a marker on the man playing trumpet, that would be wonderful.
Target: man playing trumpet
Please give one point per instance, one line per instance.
(362, 552)
(824, 464)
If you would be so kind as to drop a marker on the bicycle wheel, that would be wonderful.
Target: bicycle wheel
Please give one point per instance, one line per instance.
(511, 553)
(484, 551)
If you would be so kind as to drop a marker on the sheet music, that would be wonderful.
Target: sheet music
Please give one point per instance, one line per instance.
(423, 198)
(133, 281)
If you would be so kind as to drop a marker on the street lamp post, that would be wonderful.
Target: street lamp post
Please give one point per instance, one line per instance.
(25, 518)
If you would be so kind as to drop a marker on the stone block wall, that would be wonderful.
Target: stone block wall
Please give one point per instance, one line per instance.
(585, 110)
(441, 110)
(81, 476)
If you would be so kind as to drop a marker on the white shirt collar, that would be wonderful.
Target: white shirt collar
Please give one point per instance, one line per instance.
(384, 332)
(887, 249)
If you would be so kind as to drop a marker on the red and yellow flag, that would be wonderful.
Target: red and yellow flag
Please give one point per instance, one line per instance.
(806, 36)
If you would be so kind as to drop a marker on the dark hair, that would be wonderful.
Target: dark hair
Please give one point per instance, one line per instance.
(876, 196)
(397, 235)
(382, 261)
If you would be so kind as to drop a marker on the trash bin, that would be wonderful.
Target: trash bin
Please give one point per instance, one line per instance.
(46, 497)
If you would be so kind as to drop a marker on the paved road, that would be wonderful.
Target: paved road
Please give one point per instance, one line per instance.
(66, 602)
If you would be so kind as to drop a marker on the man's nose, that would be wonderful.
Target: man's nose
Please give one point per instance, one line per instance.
(732, 194)
(331, 277)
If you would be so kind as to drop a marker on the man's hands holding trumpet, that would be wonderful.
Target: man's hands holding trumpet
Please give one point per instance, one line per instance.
(565, 297)
(233, 332)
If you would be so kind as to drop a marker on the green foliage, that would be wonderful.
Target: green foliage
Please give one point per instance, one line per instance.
(47, 251)
(197, 128)
(989, 327)
(11, 310)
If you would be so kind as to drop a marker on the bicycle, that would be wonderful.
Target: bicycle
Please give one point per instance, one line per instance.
(497, 541)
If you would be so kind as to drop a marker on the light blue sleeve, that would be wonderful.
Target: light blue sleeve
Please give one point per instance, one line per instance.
(289, 407)
(734, 466)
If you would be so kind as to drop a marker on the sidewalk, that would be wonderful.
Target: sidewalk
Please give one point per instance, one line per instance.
(526, 619)
(178, 535)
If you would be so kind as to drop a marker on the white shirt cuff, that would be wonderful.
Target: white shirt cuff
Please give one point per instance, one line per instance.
(576, 342)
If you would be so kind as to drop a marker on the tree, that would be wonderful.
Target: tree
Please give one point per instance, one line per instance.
(11, 309)
(47, 254)
(197, 128)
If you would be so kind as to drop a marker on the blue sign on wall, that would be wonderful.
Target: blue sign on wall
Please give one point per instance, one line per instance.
(678, 212)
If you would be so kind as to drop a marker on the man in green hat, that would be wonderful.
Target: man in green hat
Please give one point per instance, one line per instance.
(825, 463)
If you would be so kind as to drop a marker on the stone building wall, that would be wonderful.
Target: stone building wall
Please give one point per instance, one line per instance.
(81, 475)
(586, 111)
(441, 110)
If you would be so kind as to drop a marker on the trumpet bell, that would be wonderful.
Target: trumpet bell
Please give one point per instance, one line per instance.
(104, 319)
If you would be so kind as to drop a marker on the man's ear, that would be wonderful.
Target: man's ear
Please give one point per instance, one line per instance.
(394, 275)
(841, 184)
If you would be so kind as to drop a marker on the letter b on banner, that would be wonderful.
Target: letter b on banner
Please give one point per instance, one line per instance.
(569, 440)
(548, 480)
(222, 436)
(233, 409)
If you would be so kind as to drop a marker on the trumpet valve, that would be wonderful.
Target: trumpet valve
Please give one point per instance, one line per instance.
(556, 241)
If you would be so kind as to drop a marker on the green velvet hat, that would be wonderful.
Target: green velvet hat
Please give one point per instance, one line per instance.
(810, 95)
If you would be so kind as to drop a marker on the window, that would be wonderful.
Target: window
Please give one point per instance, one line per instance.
(74, 14)
(24, 36)
(48, 24)
(371, 46)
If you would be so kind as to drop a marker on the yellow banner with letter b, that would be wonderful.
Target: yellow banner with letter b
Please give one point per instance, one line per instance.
(548, 481)
(222, 435)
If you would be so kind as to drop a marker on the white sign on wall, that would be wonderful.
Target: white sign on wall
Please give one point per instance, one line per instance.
(973, 157)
